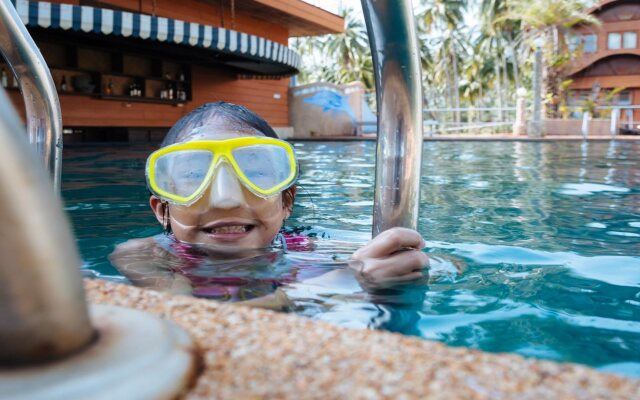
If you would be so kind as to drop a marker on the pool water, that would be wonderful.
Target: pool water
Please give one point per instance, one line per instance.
(549, 234)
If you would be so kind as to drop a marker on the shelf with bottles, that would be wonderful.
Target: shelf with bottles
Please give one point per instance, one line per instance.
(75, 82)
(116, 85)
(113, 75)
(169, 71)
(175, 91)
(128, 99)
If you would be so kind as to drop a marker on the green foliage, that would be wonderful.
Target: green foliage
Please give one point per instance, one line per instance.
(463, 67)
(340, 58)
(593, 103)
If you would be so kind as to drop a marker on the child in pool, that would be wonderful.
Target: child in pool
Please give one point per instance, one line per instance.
(223, 181)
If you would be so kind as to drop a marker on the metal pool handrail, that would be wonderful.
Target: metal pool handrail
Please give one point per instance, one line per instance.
(44, 316)
(43, 312)
(44, 121)
(42, 307)
(396, 64)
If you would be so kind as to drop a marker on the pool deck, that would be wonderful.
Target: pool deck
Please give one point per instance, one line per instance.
(252, 353)
(479, 138)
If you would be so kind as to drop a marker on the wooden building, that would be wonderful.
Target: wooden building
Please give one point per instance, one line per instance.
(128, 69)
(610, 56)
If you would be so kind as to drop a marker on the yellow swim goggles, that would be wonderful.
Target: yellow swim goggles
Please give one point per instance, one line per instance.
(180, 173)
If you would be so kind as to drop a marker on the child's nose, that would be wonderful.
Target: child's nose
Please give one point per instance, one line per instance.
(226, 190)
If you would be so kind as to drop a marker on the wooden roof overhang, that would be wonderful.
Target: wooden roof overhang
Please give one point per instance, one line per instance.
(302, 19)
(603, 4)
(635, 53)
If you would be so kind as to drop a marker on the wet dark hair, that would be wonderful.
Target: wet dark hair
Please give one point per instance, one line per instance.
(237, 116)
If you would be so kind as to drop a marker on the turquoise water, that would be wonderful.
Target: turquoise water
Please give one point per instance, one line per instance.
(549, 234)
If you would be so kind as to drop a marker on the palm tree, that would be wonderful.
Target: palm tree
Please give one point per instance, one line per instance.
(552, 21)
(339, 58)
(443, 18)
(350, 46)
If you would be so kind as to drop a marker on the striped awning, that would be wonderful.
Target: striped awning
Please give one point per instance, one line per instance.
(252, 51)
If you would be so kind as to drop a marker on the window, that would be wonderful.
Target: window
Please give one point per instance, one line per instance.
(574, 43)
(577, 97)
(623, 98)
(614, 41)
(590, 43)
(629, 40)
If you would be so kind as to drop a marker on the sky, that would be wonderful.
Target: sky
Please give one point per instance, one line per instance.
(334, 5)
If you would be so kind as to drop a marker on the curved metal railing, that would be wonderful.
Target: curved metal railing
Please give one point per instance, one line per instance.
(43, 314)
(396, 64)
(44, 121)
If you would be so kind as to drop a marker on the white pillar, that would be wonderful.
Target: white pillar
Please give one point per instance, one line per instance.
(535, 127)
(615, 117)
(520, 127)
(586, 116)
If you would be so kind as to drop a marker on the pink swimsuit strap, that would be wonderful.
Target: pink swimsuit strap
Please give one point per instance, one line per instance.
(229, 287)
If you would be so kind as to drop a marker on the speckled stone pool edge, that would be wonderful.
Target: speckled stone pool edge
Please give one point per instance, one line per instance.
(253, 353)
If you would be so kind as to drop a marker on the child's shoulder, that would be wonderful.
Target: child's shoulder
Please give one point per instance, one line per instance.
(149, 247)
(135, 244)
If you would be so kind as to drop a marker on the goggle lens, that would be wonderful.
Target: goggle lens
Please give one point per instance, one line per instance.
(266, 166)
(183, 172)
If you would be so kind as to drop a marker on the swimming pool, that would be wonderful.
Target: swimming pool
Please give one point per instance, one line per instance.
(549, 233)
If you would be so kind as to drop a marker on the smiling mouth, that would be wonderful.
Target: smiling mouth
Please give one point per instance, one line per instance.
(228, 229)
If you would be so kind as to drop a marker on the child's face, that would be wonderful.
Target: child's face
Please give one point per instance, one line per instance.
(228, 216)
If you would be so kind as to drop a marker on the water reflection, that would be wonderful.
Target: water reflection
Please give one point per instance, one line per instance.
(549, 234)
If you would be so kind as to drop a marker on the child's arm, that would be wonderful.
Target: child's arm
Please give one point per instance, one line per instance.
(277, 301)
(141, 261)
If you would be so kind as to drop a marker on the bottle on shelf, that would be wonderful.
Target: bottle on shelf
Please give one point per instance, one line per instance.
(171, 92)
(14, 82)
(4, 78)
(109, 89)
(134, 90)
(181, 94)
(181, 76)
(63, 84)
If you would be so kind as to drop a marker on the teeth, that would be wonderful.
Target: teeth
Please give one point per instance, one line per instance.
(230, 229)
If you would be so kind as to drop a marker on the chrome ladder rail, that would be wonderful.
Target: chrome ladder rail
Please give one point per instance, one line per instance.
(42, 307)
(44, 120)
(397, 71)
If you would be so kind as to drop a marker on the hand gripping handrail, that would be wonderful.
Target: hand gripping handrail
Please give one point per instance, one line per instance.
(396, 65)
(44, 121)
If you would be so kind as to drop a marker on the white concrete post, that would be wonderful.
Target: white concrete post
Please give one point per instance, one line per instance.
(615, 117)
(535, 128)
(586, 116)
(520, 126)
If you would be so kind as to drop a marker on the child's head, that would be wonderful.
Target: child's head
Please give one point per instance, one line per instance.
(230, 211)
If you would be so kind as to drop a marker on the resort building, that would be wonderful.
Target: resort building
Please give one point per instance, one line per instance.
(128, 70)
(610, 57)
